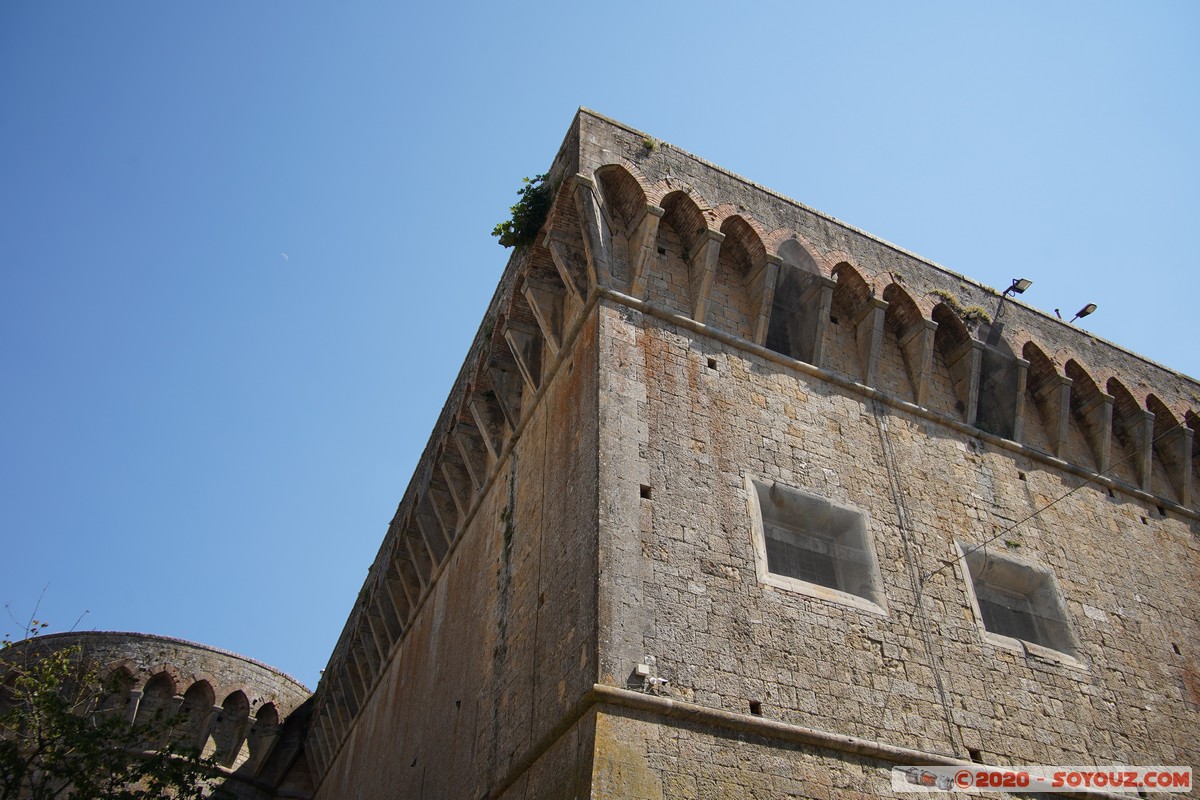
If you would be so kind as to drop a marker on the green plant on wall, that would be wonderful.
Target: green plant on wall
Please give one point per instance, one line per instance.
(528, 213)
(968, 314)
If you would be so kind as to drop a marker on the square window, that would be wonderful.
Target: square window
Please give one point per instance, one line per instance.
(1017, 601)
(810, 544)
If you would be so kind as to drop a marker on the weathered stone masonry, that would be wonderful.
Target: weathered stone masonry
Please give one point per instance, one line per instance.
(731, 499)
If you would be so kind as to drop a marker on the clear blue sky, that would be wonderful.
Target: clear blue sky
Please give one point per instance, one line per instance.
(204, 438)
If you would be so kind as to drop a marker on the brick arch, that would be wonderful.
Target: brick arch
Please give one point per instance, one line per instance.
(842, 347)
(852, 289)
(156, 706)
(952, 360)
(685, 217)
(229, 731)
(743, 244)
(117, 683)
(1192, 420)
(1041, 366)
(1164, 419)
(798, 253)
(801, 300)
(902, 310)
(623, 195)
(906, 342)
(1086, 400)
(1042, 428)
(1172, 450)
(659, 192)
(1127, 432)
(171, 671)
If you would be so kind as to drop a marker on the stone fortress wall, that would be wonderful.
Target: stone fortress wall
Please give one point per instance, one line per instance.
(733, 499)
(737, 347)
(228, 706)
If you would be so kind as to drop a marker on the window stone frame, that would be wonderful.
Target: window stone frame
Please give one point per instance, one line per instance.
(854, 525)
(986, 570)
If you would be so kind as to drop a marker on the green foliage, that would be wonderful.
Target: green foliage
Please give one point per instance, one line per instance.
(650, 144)
(528, 213)
(58, 739)
(968, 314)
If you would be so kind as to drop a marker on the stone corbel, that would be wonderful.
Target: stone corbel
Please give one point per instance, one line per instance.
(702, 266)
(419, 556)
(1053, 399)
(404, 599)
(546, 301)
(868, 334)
(135, 700)
(436, 541)
(506, 385)
(964, 364)
(817, 297)
(525, 342)
(1018, 423)
(641, 246)
(595, 246)
(572, 268)
(443, 509)
(1097, 416)
(760, 288)
(457, 479)
(917, 345)
(1175, 450)
(474, 458)
(489, 421)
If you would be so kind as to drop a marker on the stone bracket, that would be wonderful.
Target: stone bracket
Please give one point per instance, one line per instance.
(574, 274)
(1097, 417)
(1018, 419)
(474, 457)
(1053, 399)
(868, 334)
(546, 301)
(964, 365)
(701, 268)
(917, 345)
(525, 342)
(489, 421)
(1175, 450)
(506, 387)
(760, 288)
(595, 247)
(641, 245)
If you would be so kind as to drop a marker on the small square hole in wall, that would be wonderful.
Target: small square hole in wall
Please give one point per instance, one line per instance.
(1021, 476)
(834, 320)
(1175, 647)
(712, 363)
(975, 755)
(756, 708)
(1162, 512)
(1145, 521)
(1111, 493)
(645, 492)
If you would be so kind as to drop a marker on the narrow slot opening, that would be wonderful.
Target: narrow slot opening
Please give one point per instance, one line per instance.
(756, 708)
